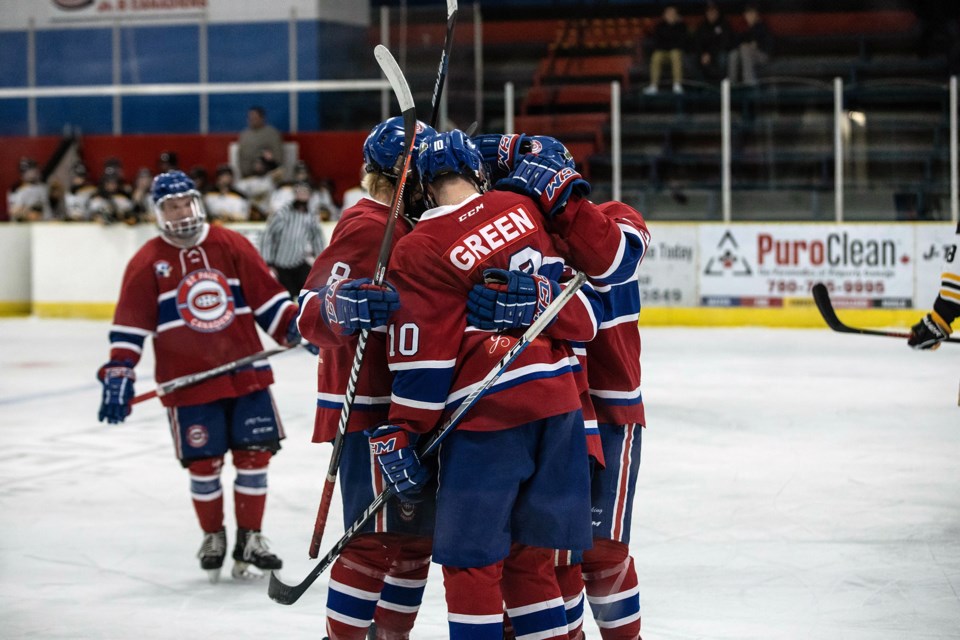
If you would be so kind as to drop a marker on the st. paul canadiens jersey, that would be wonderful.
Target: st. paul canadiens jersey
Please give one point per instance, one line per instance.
(352, 253)
(436, 358)
(200, 305)
(608, 241)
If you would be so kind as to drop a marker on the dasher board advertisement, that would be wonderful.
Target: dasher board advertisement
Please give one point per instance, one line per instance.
(774, 265)
(668, 273)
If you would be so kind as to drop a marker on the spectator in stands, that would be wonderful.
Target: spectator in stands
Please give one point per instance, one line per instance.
(292, 240)
(79, 192)
(142, 210)
(114, 166)
(259, 186)
(111, 203)
(354, 194)
(669, 41)
(711, 41)
(321, 201)
(167, 162)
(223, 201)
(29, 198)
(259, 136)
(753, 49)
(200, 178)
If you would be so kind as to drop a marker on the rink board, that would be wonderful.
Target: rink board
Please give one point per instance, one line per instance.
(693, 274)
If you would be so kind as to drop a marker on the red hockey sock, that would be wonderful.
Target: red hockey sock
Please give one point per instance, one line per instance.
(356, 581)
(612, 589)
(250, 487)
(474, 602)
(207, 493)
(532, 595)
(403, 588)
(570, 580)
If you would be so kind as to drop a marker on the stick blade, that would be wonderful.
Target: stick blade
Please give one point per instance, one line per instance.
(283, 593)
(821, 297)
(451, 8)
(394, 76)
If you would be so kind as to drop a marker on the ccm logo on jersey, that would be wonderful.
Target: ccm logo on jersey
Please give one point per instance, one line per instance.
(492, 237)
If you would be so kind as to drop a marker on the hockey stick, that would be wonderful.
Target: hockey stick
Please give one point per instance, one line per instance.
(195, 378)
(822, 298)
(288, 594)
(405, 98)
(444, 63)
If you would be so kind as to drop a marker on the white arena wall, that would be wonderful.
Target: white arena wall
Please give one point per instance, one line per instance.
(706, 274)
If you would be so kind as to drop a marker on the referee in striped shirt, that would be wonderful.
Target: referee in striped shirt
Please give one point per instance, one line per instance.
(292, 239)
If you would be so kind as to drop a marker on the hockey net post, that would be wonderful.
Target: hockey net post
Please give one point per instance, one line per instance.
(288, 594)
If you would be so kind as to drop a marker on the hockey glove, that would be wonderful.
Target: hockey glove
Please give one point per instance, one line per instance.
(117, 379)
(349, 305)
(294, 338)
(501, 152)
(398, 461)
(547, 181)
(929, 332)
(509, 299)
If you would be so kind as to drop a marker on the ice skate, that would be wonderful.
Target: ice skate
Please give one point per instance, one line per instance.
(251, 549)
(212, 552)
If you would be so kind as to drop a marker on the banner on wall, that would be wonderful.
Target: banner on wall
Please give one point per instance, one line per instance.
(863, 266)
(932, 241)
(668, 273)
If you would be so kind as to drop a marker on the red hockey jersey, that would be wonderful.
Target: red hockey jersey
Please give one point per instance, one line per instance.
(436, 358)
(352, 253)
(200, 305)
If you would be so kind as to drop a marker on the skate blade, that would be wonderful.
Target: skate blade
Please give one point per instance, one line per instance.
(213, 575)
(246, 571)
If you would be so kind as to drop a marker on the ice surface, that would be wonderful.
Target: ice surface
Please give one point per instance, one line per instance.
(795, 484)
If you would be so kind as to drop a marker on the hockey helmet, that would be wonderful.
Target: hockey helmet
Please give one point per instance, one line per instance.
(383, 148)
(179, 207)
(450, 152)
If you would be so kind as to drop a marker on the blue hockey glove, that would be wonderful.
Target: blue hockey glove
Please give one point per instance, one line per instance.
(359, 304)
(117, 379)
(501, 152)
(545, 180)
(929, 332)
(294, 338)
(398, 461)
(509, 299)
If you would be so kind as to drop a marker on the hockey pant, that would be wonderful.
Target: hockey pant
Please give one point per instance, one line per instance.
(249, 490)
(379, 577)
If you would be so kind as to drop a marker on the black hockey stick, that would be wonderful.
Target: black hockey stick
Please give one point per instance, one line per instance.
(405, 98)
(288, 594)
(195, 378)
(444, 63)
(822, 298)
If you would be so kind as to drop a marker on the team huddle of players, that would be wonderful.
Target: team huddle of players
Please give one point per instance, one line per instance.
(527, 507)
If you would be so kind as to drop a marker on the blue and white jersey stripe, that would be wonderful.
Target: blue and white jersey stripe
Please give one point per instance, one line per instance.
(131, 338)
(622, 398)
(334, 401)
(269, 313)
(621, 303)
(633, 245)
(514, 377)
(422, 384)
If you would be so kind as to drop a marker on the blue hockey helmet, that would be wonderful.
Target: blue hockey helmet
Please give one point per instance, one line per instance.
(179, 207)
(450, 152)
(384, 146)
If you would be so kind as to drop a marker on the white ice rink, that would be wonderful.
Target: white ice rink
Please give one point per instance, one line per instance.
(795, 484)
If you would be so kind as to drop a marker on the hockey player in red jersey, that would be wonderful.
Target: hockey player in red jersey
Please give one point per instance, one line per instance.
(381, 575)
(607, 242)
(513, 476)
(936, 326)
(199, 291)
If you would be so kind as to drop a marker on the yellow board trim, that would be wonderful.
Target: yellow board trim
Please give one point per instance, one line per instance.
(793, 316)
(84, 310)
(14, 307)
(786, 317)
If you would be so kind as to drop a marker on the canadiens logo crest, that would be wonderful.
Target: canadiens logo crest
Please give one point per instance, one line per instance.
(205, 301)
(197, 435)
(162, 268)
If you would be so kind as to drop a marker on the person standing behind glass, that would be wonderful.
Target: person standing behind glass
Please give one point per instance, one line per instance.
(258, 135)
(753, 49)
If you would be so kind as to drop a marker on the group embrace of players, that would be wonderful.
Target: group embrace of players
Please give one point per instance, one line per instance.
(528, 503)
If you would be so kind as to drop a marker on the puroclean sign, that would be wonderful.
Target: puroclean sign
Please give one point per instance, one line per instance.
(776, 266)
